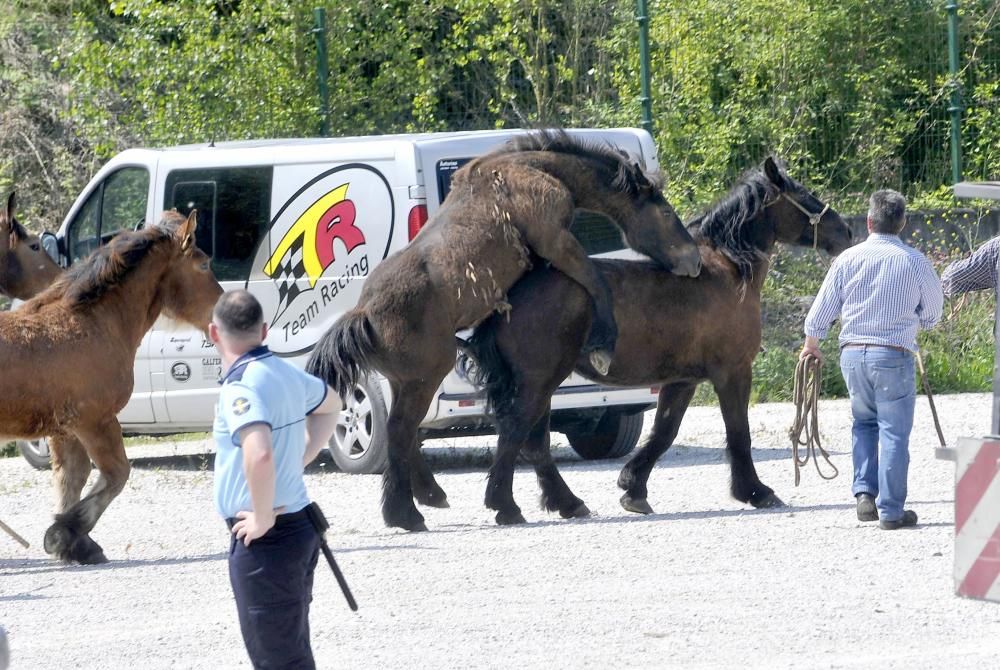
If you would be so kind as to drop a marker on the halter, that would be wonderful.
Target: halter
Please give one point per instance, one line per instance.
(813, 217)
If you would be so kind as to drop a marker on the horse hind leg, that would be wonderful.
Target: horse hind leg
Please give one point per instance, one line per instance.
(556, 495)
(426, 490)
(673, 401)
(70, 470)
(409, 405)
(68, 537)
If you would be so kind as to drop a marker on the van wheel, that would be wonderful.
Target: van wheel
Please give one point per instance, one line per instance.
(615, 435)
(36, 452)
(359, 444)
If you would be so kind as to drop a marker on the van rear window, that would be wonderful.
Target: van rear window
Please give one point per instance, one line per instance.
(234, 207)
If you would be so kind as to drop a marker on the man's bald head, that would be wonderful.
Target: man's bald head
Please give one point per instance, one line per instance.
(238, 314)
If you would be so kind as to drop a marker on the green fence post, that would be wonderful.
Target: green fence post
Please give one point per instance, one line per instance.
(955, 108)
(644, 99)
(319, 31)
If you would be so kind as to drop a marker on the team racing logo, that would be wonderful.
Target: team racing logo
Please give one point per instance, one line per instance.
(322, 244)
(307, 250)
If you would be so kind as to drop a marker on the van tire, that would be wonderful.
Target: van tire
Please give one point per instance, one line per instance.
(36, 452)
(615, 436)
(359, 444)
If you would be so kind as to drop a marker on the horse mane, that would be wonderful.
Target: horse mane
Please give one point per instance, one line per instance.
(629, 177)
(110, 264)
(725, 224)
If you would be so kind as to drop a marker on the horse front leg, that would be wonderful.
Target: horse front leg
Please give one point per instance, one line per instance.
(409, 405)
(70, 470)
(671, 404)
(68, 538)
(556, 494)
(733, 390)
(558, 246)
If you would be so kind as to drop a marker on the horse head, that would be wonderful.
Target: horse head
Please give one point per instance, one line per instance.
(802, 218)
(190, 289)
(25, 268)
(653, 227)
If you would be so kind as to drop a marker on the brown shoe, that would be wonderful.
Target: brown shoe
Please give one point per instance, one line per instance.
(866, 507)
(909, 519)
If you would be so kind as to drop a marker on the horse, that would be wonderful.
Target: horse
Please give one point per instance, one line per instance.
(673, 331)
(68, 357)
(25, 268)
(506, 209)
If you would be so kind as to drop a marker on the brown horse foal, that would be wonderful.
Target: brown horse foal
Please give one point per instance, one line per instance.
(68, 354)
(25, 269)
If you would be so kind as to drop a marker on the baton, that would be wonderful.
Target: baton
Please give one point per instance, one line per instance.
(320, 523)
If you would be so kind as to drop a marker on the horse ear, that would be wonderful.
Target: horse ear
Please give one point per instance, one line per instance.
(773, 172)
(11, 237)
(186, 231)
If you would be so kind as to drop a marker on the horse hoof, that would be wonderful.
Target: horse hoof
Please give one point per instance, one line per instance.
(56, 540)
(767, 501)
(440, 503)
(601, 361)
(581, 511)
(637, 505)
(91, 555)
(418, 528)
(510, 518)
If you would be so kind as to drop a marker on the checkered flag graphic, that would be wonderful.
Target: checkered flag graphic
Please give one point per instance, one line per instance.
(287, 274)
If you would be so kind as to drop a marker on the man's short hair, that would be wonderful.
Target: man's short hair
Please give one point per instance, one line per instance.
(238, 313)
(887, 212)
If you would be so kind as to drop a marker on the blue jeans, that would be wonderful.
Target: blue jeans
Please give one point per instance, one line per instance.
(883, 394)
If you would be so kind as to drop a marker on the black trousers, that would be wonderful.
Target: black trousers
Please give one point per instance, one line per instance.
(272, 580)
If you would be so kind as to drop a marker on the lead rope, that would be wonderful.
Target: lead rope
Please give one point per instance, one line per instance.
(805, 429)
(930, 399)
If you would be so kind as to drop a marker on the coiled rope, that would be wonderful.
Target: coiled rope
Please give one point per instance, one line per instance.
(805, 429)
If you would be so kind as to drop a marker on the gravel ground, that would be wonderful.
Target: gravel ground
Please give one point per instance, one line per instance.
(705, 583)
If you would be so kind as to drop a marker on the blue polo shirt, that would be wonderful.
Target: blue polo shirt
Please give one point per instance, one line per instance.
(261, 388)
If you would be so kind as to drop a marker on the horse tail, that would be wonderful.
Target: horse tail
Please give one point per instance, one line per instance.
(343, 354)
(483, 364)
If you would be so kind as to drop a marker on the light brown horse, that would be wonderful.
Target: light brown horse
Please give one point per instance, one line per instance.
(68, 353)
(25, 269)
(504, 211)
(675, 332)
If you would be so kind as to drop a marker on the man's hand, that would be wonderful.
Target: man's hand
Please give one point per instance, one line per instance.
(811, 347)
(251, 525)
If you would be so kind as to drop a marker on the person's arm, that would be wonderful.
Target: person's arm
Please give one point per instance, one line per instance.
(320, 424)
(823, 312)
(931, 296)
(258, 468)
(977, 272)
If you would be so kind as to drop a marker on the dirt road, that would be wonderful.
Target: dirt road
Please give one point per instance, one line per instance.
(704, 583)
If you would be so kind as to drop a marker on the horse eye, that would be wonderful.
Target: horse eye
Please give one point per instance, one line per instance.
(35, 247)
(204, 266)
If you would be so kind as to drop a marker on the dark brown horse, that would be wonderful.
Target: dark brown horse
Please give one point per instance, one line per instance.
(673, 331)
(504, 209)
(25, 268)
(67, 362)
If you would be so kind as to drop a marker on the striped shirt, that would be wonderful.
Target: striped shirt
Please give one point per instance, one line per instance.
(974, 273)
(883, 290)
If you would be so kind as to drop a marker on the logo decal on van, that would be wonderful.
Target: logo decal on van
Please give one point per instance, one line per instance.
(323, 242)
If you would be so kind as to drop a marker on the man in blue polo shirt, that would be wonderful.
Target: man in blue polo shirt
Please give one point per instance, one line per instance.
(271, 420)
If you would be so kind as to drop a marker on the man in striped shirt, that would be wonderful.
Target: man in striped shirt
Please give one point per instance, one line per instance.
(883, 291)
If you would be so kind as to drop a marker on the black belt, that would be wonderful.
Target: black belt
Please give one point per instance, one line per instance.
(862, 345)
(279, 520)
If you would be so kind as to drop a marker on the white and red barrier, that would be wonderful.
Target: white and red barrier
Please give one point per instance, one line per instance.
(977, 518)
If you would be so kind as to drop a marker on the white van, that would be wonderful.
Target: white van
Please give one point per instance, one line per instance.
(261, 205)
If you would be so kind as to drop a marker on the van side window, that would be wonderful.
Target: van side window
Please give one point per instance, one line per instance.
(234, 208)
(596, 233)
(118, 203)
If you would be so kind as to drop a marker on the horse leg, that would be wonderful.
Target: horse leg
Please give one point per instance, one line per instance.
(733, 390)
(409, 405)
(564, 252)
(68, 538)
(425, 488)
(70, 470)
(556, 494)
(511, 433)
(673, 401)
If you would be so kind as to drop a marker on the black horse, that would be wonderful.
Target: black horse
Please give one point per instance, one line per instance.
(674, 331)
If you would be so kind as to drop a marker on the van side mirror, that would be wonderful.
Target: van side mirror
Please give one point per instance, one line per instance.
(50, 243)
